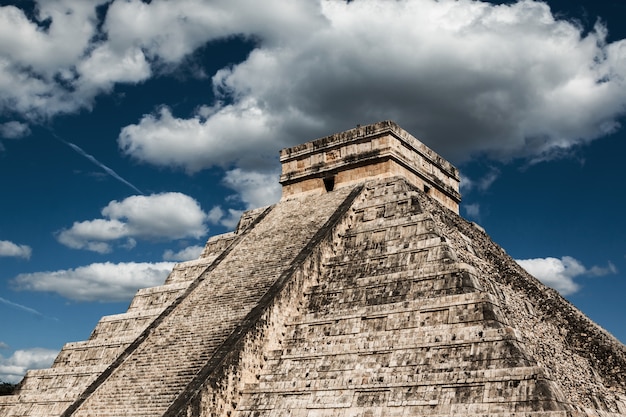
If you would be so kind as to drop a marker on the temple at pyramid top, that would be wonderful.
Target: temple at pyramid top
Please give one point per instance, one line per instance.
(380, 150)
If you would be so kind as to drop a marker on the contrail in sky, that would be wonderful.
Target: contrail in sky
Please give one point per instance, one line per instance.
(24, 308)
(105, 168)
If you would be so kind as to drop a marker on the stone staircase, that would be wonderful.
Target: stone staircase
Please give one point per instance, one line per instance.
(48, 392)
(397, 326)
(179, 346)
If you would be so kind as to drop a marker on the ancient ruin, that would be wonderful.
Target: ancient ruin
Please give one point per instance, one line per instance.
(361, 293)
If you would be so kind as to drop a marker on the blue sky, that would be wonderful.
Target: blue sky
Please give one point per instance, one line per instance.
(132, 131)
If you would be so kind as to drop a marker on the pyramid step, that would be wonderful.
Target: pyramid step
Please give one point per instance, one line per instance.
(92, 352)
(127, 325)
(157, 297)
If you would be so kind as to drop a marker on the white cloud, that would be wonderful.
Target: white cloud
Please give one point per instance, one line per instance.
(96, 282)
(171, 30)
(215, 215)
(173, 215)
(62, 68)
(8, 248)
(187, 254)
(212, 137)
(560, 273)
(104, 67)
(13, 368)
(467, 77)
(93, 235)
(255, 189)
(425, 63)
(599, 271)
(165, 216)
(167, 30)
(36, 63)
(14, 130)
(71, 25)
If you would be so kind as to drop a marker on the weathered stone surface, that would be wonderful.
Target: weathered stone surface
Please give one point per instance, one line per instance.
(380, 150)
(406, 318)
(374, 299)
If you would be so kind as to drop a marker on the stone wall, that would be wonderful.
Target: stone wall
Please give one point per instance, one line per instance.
(588, 363)
(376, 151)
(394, 325)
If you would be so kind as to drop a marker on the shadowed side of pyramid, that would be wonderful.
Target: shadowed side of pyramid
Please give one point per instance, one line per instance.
(406, 318)
(587, 362)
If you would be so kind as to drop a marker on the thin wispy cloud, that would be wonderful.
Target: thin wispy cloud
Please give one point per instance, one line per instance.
(23, 308)
(480, 184)
(472, 210)
(93, 160)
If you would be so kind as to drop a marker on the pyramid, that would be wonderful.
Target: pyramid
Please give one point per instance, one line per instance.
(361, 293)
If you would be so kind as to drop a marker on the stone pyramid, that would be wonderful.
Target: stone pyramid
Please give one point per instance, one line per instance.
(361, 293)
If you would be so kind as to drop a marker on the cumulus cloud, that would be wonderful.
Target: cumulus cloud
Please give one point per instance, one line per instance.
(105, 67)
(60, 58)
(13, 368)
(165, 216)
(211, 137)
(255, 189)
(467, 77)
(8, 248)
(560, 273)
(96, 282)
(187, 254)
(171, 30)
(37, 66)
(514, 80)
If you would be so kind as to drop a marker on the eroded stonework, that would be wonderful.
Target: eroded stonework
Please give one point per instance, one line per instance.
(373, 299)
(380, 150)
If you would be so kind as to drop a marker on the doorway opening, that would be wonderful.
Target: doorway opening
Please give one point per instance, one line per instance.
(329, 183)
